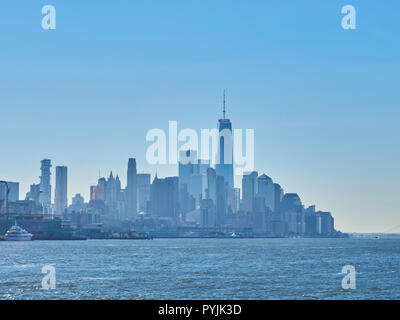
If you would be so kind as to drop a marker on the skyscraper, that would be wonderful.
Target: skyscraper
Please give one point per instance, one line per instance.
(45, 186)
(13, 194)
(249, 190)
(187, 161)
(102, 183)
(174, 182)
(96, 192)
(278, 196)
(266, 190)
(220, 207)
(207, 213)
(233, 199)
(78, 200)
(143, 187)
(191, 173)
(61, 191)
(112, 192)
(164, 197)
(326, 223)
(131, 189)
(186, 201)
(212, 185)
(201, 168)
(195, 187)
(224, 164)
(293, 213)
(33, 193)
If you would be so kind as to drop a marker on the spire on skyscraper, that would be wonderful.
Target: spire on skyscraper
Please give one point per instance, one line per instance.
(224, 106)
(224, 167)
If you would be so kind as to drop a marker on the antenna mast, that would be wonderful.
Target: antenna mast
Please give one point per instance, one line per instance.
(224, 106)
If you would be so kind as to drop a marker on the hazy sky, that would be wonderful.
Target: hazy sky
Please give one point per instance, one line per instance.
(323, 101)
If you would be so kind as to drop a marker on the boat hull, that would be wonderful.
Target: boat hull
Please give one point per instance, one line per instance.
(19, 238)
(41, 229)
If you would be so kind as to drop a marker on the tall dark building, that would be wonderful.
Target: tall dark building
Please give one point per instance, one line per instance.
(293, 214)
(131, 189)
(102, 183)
(191, 173)
(13, 194)
(207, 217)
(211, 185)
(187, 160)
(45, 186)
(186, 201)
(143, 187)
(326, 223)
(164, 197)
(112, 191)
(33, 193)
(220, 207)
(224, 165)
(174, 182)
(249, 190)
(61, 191)
(266, 190)
(278, 195)
(311, 220)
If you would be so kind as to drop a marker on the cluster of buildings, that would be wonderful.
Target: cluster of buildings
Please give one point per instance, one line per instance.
(200, 201)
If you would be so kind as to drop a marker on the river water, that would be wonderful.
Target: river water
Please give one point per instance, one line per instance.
(200, 269)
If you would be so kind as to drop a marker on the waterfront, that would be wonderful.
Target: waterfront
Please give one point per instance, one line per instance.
(201, 269)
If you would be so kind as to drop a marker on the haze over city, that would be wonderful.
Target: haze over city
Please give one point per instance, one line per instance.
(323, 101)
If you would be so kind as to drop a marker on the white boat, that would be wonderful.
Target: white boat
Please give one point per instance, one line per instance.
(16, 233)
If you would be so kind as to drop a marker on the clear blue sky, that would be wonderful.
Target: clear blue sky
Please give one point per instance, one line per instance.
(324, 102)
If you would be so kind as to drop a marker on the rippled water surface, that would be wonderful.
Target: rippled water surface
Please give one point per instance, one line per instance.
(201, 269)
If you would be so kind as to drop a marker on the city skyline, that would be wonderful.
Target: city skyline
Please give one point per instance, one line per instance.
(322, 100)
(166, 171)
(201, 198)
